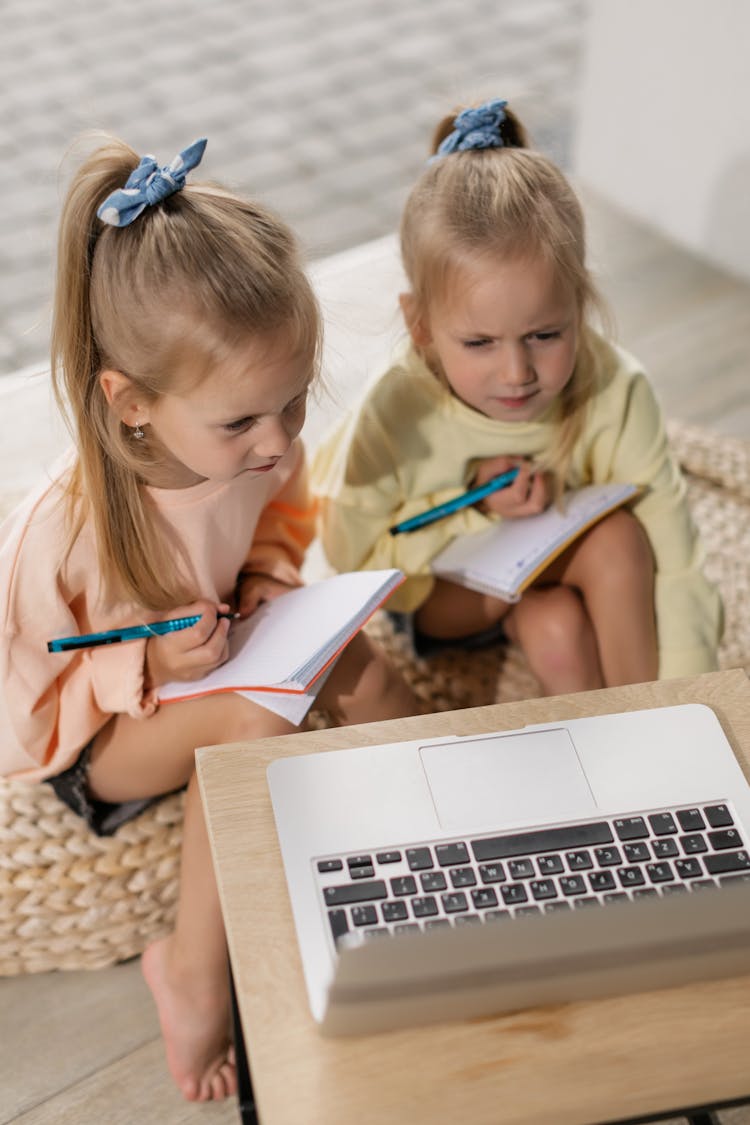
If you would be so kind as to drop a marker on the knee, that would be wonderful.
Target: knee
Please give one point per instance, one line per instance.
(619, 553)
(555, 628)
(361, 670)
(242, 720)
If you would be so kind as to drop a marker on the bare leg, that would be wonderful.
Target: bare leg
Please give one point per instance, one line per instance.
(551, 626)
(612, 566)
(186, 971)
(364, 687)
(452, 611)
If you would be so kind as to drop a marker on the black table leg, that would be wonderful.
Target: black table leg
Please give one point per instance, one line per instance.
(245, 1099)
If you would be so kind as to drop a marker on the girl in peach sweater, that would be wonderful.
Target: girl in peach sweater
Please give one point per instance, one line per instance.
(185, 340)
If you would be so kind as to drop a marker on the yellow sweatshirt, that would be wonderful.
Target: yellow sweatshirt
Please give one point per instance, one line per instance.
(411, 444)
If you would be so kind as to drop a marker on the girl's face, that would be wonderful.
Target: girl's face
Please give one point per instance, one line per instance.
(505, 338)
(242, 418)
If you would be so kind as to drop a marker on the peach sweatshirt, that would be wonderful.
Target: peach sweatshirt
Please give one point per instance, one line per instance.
(52, 704)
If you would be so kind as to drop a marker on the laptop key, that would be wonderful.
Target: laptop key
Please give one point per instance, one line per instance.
(725, 838)
(359, 861)
(727, 861)
(521, 869)
(365, 872)
(450, 855)
(579, 861)
(550, 864)
(419, 858)
(388, 857)
(514, 894)
(600, 881)
(454, 901)
(718, 816)
(483, 898)
(404, 885)
(543, 889)
(355, 892)
(693, 844)
(691, 820)
(432, 881)
(637, 853)
(631, 827)
(492, 873)
(339, 924)
(572, 885)
(660, 872)
(326, 865)
(463, 877)
(664, 849)
(424, 906)
(364, 915)
(630, 876)
(688, 868)
(662, 824)
(542, 840)
(394, 911)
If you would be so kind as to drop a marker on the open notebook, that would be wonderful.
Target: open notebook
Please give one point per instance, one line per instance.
(506, 558)
(279, 655)
(468, 876)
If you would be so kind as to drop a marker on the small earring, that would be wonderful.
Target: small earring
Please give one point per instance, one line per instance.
(138, 433)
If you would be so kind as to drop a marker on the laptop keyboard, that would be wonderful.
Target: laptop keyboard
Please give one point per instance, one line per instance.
(467, 881)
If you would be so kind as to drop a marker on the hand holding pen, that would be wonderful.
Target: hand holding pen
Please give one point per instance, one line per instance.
(185, 646)
(527, 495)
(192, 652)
(497, 476)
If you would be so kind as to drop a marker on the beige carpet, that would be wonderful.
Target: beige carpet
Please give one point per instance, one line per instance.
(71, 900)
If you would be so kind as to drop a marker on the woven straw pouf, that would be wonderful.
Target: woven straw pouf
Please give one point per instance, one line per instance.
(72, 900)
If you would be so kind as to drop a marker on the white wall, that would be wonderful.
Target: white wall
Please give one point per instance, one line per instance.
(664, 119)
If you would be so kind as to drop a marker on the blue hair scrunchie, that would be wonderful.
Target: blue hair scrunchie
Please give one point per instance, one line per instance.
(149, 184)
(475, 128)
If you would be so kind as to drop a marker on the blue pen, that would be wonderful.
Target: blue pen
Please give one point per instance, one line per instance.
(130, 633)
(465, 500)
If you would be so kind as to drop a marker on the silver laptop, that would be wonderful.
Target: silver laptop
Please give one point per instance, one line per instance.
(472, 875)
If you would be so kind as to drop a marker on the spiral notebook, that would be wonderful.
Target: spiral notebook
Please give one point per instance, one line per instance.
(506, 558)
(284, 649)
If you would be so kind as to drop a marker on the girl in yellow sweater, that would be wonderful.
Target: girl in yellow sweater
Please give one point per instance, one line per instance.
(503, 369)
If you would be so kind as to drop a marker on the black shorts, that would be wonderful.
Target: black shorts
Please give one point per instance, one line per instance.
(425, 645)
(103, 818)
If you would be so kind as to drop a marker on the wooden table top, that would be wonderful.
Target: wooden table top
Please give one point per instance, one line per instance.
(574, 1063)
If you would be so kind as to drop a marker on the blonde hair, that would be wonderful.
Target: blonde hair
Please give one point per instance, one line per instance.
(511, 202)
(163, 300)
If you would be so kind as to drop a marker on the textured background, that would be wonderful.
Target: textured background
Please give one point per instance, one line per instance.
(322, 108)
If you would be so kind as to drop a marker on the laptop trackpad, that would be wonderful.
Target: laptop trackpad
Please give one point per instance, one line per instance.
(497, 779)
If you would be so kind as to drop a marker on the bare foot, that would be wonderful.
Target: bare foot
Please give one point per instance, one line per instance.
(194, 1019)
